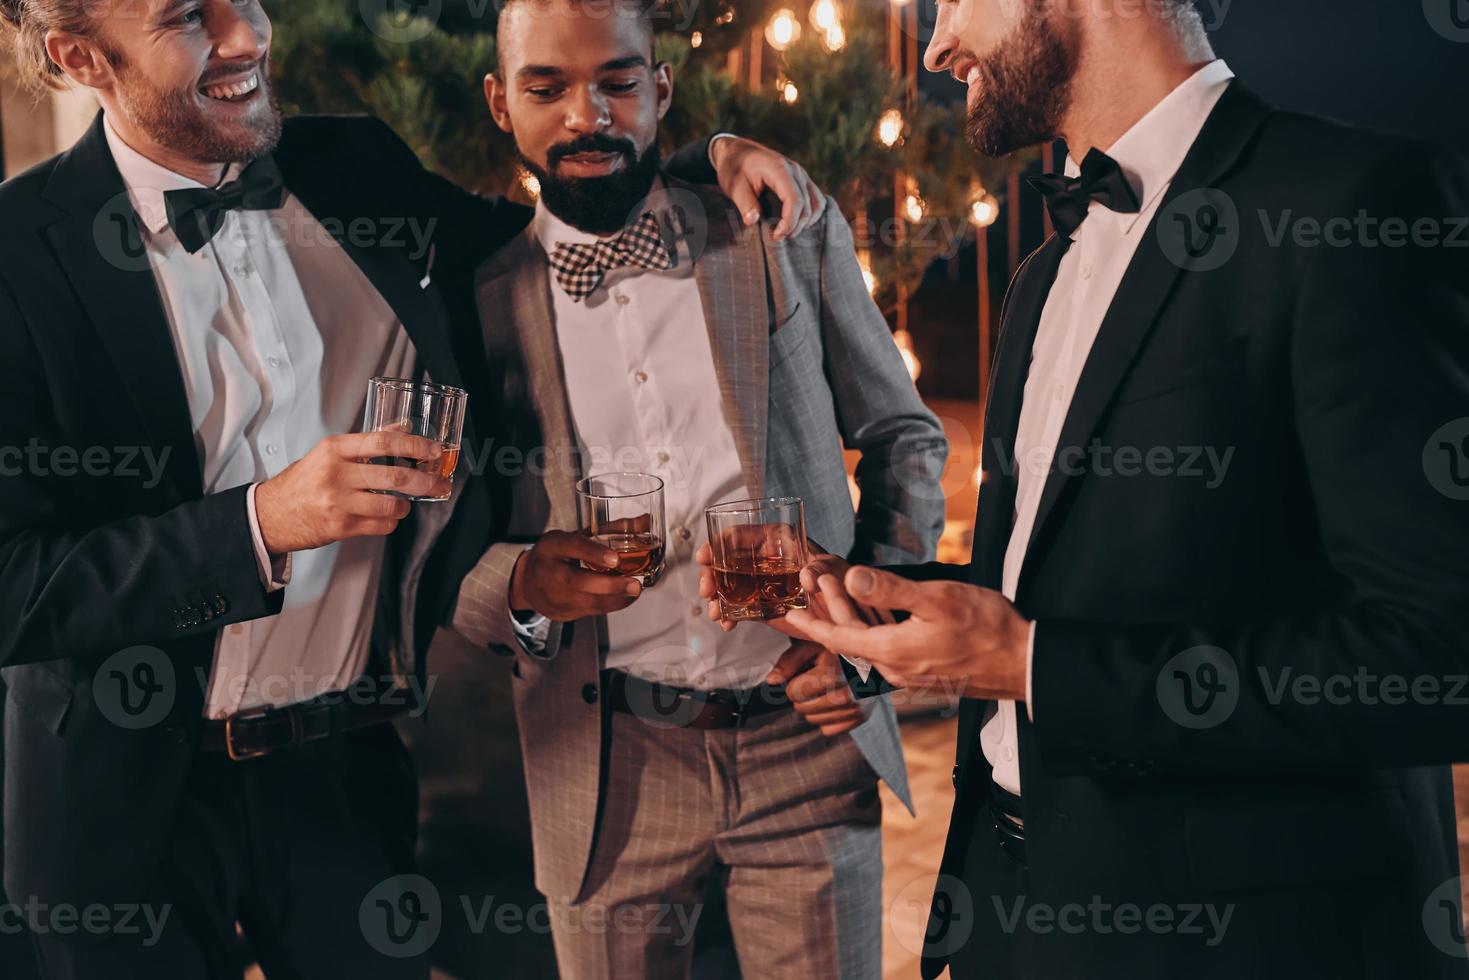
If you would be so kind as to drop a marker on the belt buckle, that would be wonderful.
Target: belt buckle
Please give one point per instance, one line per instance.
(256, 714)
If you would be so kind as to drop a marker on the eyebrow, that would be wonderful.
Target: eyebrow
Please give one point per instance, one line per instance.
(551, 71)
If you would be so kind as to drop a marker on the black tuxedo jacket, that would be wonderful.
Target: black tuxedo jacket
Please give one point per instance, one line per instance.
(92, 565)
(1176, 758)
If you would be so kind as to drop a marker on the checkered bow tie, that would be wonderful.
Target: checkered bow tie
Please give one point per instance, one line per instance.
(580, 268)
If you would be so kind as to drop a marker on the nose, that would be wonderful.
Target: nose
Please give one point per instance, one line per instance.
(240, 35)
(941, 47)
(587, 112)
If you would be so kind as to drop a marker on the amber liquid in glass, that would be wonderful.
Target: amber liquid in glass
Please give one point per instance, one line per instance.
(640, 556)
(759, 588)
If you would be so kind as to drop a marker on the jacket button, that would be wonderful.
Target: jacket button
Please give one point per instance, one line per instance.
(954, 777)
(589, 693)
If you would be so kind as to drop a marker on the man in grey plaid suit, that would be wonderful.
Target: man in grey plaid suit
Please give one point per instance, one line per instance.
(644, 324)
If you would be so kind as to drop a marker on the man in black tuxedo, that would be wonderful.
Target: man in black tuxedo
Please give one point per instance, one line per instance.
(1215, 631)
(205, 642)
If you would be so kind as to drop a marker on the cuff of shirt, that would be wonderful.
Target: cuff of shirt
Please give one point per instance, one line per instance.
(533, 632)
(1029, 664)
(715, 139)
(275, 573)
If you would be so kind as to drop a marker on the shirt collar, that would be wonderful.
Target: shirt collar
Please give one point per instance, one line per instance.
(1151, 152)
(147, 181)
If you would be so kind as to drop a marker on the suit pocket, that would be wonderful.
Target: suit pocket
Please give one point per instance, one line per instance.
(791, 334)
(1248, 848)
(40, 695)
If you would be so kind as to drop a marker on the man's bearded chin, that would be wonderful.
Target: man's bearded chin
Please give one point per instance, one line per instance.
(597, 205)
(1025, 89)
(176, 120)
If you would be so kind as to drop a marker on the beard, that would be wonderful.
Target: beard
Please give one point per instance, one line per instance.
(175, 119)
(1025, 88)
(597, 205)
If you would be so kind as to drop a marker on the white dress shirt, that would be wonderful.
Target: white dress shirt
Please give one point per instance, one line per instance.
(277, 333)
(1150, 154)
(644, 396)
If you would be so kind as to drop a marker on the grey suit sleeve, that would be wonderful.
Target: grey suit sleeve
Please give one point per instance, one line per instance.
(879, 413)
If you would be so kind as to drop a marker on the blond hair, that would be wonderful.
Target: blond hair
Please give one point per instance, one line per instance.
(25, 24)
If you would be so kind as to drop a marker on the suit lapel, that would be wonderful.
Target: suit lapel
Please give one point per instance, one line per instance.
(403, 281)
(100, 247)
(1144, 291)
(515, 296)
(1019, 323)
(731, 274)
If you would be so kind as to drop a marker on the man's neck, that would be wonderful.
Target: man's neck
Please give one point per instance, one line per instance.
(1116, 85)
(208, 174)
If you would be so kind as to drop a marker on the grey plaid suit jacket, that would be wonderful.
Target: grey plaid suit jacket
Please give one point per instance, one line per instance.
(805, 364)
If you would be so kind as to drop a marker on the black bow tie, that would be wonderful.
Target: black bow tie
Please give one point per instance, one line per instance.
(1100, 180)
(197, 213)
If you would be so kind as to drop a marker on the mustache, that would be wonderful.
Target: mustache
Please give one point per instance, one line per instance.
(591, 143)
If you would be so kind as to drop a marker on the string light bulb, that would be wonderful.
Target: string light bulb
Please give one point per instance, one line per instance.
(783, 29)
(890, 128)
(983, 209)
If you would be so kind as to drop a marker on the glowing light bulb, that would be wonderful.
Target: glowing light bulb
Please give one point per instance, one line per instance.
(783, 29)
(789, 93)
(696, 39)
(983, 210)
(824, 14)
(890, 128)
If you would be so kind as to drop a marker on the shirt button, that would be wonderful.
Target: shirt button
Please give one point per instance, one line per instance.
(684, 534)
(696, 611)
(1059, 392)
(1009, 754)
(641, 377)
(1086, 272)
(237, 629)
(271, 449)
(663, 458)
(621, 298)
(275, 362)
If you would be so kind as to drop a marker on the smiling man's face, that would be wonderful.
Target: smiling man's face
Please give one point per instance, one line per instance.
(1017, 58)
(191, 77)
(578, 89)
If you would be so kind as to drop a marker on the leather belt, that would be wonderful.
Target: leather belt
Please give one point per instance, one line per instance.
(683, 707)
(261, 731)
(1008, 822)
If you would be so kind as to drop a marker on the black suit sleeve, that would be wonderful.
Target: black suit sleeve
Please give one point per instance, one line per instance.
(71, 591)
(1378, 365)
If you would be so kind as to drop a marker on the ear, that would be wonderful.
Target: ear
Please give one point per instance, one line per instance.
(663, 85)
(81, 59)
(495, 98)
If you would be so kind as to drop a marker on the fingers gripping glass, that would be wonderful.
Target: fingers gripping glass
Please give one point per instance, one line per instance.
(759, 548)
(419, 408)
(623, 512)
